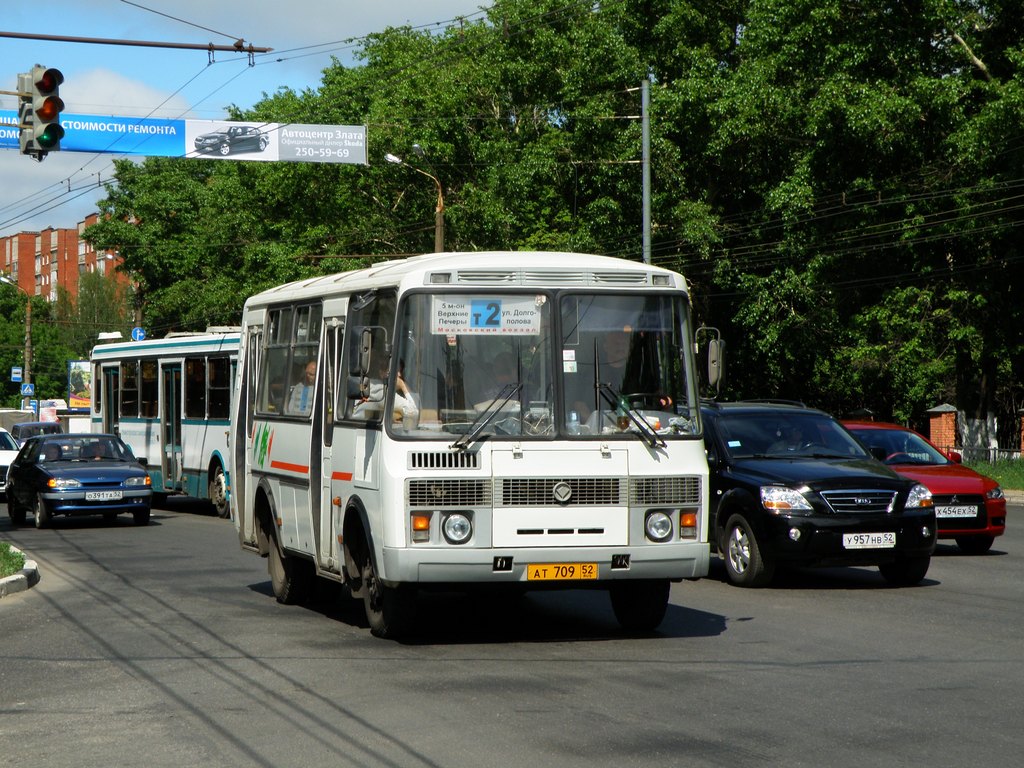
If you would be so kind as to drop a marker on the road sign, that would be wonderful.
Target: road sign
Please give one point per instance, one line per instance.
(28, 389)
(16, 374)
(138, 334)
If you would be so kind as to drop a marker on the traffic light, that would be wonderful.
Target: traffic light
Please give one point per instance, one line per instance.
(39, 111)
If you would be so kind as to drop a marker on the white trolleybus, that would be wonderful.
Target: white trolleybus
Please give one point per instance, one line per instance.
(170, 400)
(520, 419)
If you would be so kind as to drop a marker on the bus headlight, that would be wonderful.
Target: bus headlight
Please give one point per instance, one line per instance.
(658, 525)
(457, 528)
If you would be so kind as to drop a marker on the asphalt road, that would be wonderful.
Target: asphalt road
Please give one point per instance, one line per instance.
(162, 646)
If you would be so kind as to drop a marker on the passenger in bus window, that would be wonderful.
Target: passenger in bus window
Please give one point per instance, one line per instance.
(300, 398)
(371, 405)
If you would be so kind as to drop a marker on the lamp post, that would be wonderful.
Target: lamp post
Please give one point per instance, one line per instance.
(27, 373)
(439, 211)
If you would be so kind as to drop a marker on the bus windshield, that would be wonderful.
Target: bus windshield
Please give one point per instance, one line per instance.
(542, 365)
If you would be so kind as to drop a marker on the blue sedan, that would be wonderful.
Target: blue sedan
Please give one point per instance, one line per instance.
(77, 475)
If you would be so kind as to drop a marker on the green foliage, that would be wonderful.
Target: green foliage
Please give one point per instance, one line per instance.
(837, 180)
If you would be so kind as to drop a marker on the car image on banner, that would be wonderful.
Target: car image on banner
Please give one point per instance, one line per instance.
(969, 507)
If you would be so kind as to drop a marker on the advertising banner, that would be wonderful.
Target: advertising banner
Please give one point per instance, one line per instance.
(211, 139)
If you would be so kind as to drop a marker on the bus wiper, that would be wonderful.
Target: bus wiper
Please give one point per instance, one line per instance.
(487, 415)
(644, 427)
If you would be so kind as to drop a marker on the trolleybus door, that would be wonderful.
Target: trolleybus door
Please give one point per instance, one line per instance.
(171, 426)
(111, 399)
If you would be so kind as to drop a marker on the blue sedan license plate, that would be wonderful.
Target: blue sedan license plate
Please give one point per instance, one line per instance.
(886, 540)
(103, 495)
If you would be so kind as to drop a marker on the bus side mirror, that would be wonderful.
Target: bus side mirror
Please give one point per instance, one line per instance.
(716, 362)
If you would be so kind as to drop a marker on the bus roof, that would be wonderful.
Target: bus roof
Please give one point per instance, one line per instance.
(492, 269)
(170, 345)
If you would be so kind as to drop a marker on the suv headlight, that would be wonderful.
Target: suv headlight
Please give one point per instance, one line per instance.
(778, 499)
(919, 497)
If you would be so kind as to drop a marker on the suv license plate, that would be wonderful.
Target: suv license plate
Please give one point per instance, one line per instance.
(103, 495)
(885, 540)
(560, 571)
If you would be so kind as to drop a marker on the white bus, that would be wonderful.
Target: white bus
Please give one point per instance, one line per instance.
(170, 400)
(411, 461)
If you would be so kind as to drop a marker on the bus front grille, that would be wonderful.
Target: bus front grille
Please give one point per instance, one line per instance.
(439, 493)
(552, 491)
(648, 491)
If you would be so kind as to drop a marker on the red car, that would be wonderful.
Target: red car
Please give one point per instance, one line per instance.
(969, 507)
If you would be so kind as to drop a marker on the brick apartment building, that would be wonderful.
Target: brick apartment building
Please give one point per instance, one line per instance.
(42, 262)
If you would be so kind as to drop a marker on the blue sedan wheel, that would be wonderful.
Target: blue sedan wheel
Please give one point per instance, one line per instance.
(41, 513)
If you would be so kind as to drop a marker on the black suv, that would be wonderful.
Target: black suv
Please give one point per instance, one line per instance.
(790, 485)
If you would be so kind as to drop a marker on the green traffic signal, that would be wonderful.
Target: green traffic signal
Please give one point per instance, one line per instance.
(50, 137)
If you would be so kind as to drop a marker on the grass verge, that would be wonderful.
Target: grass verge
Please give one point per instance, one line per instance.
(10, 561)
(1009, 473)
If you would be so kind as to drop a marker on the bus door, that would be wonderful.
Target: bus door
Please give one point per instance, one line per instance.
(330, 478)
(170, 418)
(111, 399)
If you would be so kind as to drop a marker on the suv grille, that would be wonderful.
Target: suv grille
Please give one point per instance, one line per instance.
(860, 502)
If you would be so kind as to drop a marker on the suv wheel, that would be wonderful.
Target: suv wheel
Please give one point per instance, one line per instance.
(744, 563)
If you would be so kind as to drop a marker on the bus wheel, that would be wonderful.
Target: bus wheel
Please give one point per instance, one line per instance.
(290, 578)
(389, 610)
(640, 605)
(218, 492)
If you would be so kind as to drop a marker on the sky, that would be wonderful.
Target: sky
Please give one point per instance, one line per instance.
(171, 83)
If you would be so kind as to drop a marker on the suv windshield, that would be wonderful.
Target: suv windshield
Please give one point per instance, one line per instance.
(786, 434)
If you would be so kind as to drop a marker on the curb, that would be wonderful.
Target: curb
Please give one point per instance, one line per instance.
(19, 582)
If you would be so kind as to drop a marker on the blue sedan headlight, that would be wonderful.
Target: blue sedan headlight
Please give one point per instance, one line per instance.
(63, 482)
(136, 481)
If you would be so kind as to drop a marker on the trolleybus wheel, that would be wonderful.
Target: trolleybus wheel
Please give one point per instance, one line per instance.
(218, 492)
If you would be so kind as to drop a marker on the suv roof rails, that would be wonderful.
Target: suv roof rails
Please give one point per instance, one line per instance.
(774, 401)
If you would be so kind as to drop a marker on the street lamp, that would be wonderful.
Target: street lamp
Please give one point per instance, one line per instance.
(439, 211)
(27, 373)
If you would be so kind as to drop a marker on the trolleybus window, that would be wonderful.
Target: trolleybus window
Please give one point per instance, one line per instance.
(129, 389)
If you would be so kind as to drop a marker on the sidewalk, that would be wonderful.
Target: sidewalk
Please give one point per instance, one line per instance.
(19, 582)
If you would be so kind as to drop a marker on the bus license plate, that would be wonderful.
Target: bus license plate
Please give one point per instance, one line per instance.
(885, 540)
(560, 571)
(103, 495)
(958, 510)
